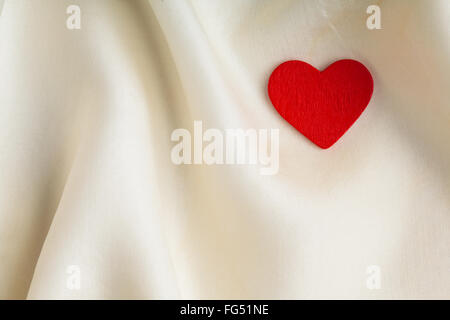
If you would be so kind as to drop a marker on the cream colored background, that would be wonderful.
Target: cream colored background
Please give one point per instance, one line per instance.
(86, 177)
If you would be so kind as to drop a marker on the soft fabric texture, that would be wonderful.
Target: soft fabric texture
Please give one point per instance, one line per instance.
(321, 105)
(87, 184)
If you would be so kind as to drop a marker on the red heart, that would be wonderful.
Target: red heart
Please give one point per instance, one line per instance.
(321, 105)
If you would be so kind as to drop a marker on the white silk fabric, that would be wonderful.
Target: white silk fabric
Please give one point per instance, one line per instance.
(87, 182)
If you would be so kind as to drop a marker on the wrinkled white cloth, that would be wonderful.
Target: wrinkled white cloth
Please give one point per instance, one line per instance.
(87, 182)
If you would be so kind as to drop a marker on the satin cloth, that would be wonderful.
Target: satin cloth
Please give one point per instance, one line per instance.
(86, 178)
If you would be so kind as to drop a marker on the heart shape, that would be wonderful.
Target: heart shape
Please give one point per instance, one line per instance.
(321, 105)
